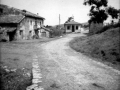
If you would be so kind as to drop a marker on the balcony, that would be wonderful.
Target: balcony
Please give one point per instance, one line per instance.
(36, 27)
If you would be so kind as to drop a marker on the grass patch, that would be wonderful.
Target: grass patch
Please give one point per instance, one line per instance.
(104, 46)
(17, 79)
(15, 66)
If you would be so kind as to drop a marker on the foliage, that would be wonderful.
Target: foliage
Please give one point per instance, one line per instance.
(114, 13)
(107, 27)
(56, 32)
(14, 80)
(97, 15)
(99, 11)
(6, 10)
(104, 46)
(97, 3)
(69, 19)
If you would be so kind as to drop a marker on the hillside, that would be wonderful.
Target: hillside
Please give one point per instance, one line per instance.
(104, 46)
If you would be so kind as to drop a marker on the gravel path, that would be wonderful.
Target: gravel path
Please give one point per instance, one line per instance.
(74, 71)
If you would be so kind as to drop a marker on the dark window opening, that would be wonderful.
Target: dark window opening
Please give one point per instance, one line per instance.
(40, 23)
(35, 22)
(21, 33)
(11, 35)
(1, 10)
(73, 29)
(68, 27)
(30, 22)
(76, 27)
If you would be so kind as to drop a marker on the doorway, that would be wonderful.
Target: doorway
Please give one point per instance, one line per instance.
(73, 29)
(21, 34)
(11, 35)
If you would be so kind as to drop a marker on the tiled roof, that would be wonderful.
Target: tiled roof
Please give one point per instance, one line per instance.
(72, 22)
(46, 29)
(27, 13)
(7, 29)
(11, 18)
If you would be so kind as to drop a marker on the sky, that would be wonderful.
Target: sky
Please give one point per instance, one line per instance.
(50, 9)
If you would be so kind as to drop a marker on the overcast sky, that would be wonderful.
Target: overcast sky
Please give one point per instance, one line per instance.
(50, 9)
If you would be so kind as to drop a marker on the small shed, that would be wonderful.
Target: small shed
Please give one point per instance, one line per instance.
(72, 26)
(44, 32)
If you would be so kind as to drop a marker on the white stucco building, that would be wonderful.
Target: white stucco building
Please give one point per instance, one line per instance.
(72, 26)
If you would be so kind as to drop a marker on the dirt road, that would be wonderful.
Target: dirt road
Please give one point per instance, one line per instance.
(64, 69)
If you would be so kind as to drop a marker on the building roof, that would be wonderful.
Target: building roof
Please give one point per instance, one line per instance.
(7, 29)
(27, 13)
(72, 23)
(11, 18)
(46, 29)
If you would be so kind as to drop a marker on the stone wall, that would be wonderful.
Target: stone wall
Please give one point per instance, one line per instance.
(27, 26)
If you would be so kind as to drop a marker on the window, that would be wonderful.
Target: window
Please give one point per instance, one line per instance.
(40, 23)
(68, 27)
(35, 22)
(1, 10)
(31, 22)
(76, 27)
(21, 32)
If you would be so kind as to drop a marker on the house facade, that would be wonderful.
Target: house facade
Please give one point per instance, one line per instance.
(72, 26)
(23, 25)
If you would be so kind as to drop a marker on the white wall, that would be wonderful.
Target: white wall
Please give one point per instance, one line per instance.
(70, 30)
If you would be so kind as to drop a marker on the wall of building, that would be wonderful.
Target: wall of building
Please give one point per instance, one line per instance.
(68, 30)
(44, 33)
(26, 29)
(6, 35)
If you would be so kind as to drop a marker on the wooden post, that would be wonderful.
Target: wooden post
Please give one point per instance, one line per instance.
(59, 21)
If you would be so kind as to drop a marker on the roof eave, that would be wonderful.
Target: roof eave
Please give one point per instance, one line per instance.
(35, 17)
(21, 19)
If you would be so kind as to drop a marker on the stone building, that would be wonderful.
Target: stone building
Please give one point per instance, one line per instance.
(22, 25)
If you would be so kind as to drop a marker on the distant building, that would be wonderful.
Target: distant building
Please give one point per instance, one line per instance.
(22, 25)
(72, 26)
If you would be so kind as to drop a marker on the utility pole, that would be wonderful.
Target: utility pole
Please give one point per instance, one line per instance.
(59, 21)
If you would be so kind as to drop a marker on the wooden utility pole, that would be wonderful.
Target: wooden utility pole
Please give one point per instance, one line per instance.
(59, 21)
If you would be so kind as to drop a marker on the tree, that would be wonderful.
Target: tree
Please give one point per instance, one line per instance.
(114, 13)
(97, 14)
(69, 19)
(99, 11)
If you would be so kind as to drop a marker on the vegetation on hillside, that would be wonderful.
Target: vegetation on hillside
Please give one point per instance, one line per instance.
(57, 30)
(104, 46)
(14, 79)
(107, 27)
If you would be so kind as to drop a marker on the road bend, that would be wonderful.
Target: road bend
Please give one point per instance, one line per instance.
(65, 69)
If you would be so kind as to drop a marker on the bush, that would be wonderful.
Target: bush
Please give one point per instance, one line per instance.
(56, 32)
(95, 27)
(35, 37)
(14, 80)
(109, 27)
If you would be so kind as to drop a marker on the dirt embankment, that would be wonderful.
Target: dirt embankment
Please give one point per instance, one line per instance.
(104, 46)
